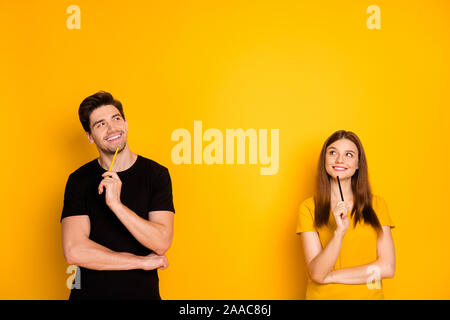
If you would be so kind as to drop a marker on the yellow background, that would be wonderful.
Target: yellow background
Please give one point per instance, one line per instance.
(307, 68)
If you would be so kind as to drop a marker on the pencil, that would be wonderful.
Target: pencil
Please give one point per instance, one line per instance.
(114, 158)
(340, 190)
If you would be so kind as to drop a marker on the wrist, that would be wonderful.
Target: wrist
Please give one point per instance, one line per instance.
(339, 233)
(329, 278)
(115, 206)
(141, 262)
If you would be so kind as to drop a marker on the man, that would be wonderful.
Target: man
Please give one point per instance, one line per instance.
(116, 225)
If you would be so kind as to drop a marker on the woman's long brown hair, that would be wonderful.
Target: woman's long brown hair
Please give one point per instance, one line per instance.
(362, 195)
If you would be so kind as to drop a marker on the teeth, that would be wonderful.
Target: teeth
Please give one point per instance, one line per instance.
(114, 137)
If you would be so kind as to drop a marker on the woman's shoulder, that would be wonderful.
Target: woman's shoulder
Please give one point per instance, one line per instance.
(380, 207)
(308, 203)
(306, 216)
(378, 201)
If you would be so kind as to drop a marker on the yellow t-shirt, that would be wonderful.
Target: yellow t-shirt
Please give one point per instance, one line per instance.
(359, 247)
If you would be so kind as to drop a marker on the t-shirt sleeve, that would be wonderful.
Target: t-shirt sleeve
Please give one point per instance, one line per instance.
(161, 194)
(381, 209)
(74, 199)
(305, 218)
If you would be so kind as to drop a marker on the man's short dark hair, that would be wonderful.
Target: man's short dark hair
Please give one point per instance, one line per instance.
(94, 101)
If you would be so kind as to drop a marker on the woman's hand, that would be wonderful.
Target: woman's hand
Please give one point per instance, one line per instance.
(341, 218)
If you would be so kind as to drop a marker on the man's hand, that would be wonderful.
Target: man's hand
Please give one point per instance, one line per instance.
(113, 185)
(153, 261)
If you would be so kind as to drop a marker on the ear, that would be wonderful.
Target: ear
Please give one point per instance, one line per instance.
(126, 125)
(89, 137)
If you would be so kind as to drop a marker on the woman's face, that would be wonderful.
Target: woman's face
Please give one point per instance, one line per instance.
(341, 159)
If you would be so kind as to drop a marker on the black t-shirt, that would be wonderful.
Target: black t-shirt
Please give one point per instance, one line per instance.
(146, 186)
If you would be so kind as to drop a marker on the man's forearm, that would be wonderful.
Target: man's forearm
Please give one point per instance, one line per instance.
(376, 270)
(151, 235)
(324, 262)
(92, 255)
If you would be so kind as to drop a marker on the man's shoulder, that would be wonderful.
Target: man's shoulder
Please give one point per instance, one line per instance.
(84, 171)
(154, 166)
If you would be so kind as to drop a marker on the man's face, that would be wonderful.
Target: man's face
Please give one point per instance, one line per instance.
(108, 129)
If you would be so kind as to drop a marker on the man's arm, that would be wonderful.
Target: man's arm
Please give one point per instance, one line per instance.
(156, 233)
(384, 266)
(81, 251)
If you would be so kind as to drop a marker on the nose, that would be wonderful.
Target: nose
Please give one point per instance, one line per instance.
(110, 128)
(339, 159)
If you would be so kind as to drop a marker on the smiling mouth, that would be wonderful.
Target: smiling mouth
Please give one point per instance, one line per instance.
(114, 138)
(338, 168)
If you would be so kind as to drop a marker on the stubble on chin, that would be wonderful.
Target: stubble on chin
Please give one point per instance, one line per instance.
(112, 150)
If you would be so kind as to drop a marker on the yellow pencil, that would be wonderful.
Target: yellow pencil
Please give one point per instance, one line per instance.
(114, 158)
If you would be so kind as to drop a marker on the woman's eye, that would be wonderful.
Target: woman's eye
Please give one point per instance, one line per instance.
(349, 154)
(332, 152)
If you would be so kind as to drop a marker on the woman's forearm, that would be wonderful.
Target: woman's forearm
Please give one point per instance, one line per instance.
(367, 273)
(324, 262)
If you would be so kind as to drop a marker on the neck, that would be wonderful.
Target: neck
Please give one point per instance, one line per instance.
(124, 159)
(346, 186)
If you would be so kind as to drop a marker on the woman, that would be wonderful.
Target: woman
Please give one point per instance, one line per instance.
(348, 244)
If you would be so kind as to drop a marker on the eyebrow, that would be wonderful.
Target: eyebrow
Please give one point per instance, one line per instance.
(98, 121)
(352, 151)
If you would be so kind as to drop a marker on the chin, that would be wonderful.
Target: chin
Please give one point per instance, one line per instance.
(342, 175)
(346, 175)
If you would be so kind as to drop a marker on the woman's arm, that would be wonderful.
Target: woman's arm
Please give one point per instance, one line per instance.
(320, 262)
(382, 268)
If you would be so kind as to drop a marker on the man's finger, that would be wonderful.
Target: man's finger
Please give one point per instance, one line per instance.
(103, 184)
(110, 174)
